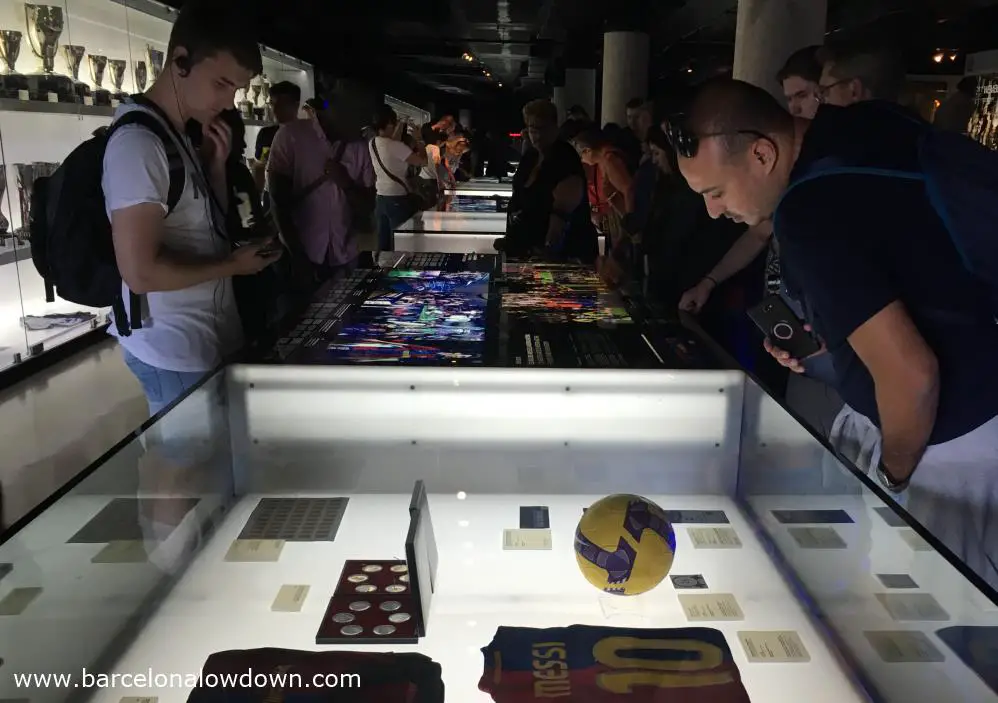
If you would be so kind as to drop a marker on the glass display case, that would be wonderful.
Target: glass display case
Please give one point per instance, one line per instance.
(64, 67)
(237, 519)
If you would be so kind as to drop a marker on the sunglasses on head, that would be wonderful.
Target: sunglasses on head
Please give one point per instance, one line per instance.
(687, 143)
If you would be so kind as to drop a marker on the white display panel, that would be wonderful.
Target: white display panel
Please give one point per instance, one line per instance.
(456, 222)
(439, 242)
(220, 605)
(482, 189)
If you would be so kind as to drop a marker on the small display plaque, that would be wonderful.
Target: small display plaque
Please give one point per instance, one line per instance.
(904, 646)
(774, 647)
(817, 537)
(714, 538)
(696, 517)
(18, 600)
(534, 517)
(290, 599)
(915, 541)
(526, 540)
(813, 517)
(912, 607)
(680, 582)
(124, 552)
(897, 581)
(255, 550)
(700, 607)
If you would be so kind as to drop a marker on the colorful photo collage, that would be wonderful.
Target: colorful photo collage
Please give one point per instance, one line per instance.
(560, 293)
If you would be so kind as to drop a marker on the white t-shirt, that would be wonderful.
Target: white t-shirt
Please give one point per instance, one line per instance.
(185, 330)
(393, 154)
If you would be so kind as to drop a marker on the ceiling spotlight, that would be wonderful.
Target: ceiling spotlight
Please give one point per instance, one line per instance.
(689, 70)
(952, 57)
(938, 58)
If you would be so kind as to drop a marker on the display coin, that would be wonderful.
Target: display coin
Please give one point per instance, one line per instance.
(395, 588)
(390, 606)
(371, 569)
(359, 606)
(400, 568)
(344, 617)
(404, 578)
(384, 629)
(399, 617)
(351, 630)
(357, 578)
(366, 588)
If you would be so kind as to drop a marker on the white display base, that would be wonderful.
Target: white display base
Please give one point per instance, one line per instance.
(22, 292)
(456, 222)
(504, 190)
(219, 605)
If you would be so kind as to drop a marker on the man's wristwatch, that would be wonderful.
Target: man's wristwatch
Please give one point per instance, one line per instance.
(889, 483)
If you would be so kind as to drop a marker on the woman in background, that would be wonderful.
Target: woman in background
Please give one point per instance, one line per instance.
(614, 188)
(391, 159)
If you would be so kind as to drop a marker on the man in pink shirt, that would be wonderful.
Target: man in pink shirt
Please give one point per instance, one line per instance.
(310, 172)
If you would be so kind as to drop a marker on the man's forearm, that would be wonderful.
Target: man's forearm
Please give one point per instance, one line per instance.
(172, 271)
(742, 253)
(907, 415)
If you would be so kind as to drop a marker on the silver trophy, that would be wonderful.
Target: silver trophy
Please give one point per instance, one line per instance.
(26, 174)
(11, 82)
(268, 109)
(141, 76)
(74, 57)
(45, 24)
(117, 70)
(97, 66)
(244, 104)
(155, 59)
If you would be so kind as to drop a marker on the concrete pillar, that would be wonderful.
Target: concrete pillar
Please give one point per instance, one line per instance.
(768, 31)
(625, 73)
(560, 100)
(580, 89)
(464, 118)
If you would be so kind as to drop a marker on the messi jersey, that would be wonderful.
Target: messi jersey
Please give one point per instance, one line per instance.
(584, 664)
(290, 676)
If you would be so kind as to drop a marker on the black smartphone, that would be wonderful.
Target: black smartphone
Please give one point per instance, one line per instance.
(784, 329)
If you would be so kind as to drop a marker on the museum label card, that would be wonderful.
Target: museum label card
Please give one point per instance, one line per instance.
(904, 646)
(817, 537)
(290, 599)
(897, 581)
(774, 647)
(714, 538)
(139, 699)
(525, 540)
(890, 517)
(813, 517)
(534, 517)
(710, 606)
(680, 582)
(912, 607)
(18, 600)
(123, 552)
(915, 541)
(255, 550)
(696, 517)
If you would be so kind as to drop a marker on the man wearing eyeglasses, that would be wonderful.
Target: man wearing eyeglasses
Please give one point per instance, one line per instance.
(856, 71)
(911, 334)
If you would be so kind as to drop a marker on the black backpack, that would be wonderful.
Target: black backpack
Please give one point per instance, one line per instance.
(71, 243)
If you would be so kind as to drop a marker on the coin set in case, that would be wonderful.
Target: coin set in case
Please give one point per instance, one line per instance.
(373, 603)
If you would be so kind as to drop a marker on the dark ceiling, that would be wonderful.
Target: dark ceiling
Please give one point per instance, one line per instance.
(415, 50)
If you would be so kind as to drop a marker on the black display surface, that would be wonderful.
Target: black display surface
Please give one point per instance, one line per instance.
(476, 310)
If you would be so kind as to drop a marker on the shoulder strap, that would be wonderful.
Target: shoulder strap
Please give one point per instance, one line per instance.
(175, 161)
(374, 148)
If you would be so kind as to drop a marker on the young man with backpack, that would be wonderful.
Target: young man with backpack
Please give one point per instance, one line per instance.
(166, 201)
(885, 229)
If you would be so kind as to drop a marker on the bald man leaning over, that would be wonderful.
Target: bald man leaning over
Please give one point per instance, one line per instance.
(912, 338)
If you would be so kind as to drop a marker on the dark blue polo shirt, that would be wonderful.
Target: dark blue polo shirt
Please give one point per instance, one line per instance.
(853, 244)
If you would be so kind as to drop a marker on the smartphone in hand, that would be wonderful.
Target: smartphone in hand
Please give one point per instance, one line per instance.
(783, 328)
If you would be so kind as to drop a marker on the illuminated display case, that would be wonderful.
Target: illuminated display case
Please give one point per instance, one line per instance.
(64, 66)
(984, 119)
(231, 522)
